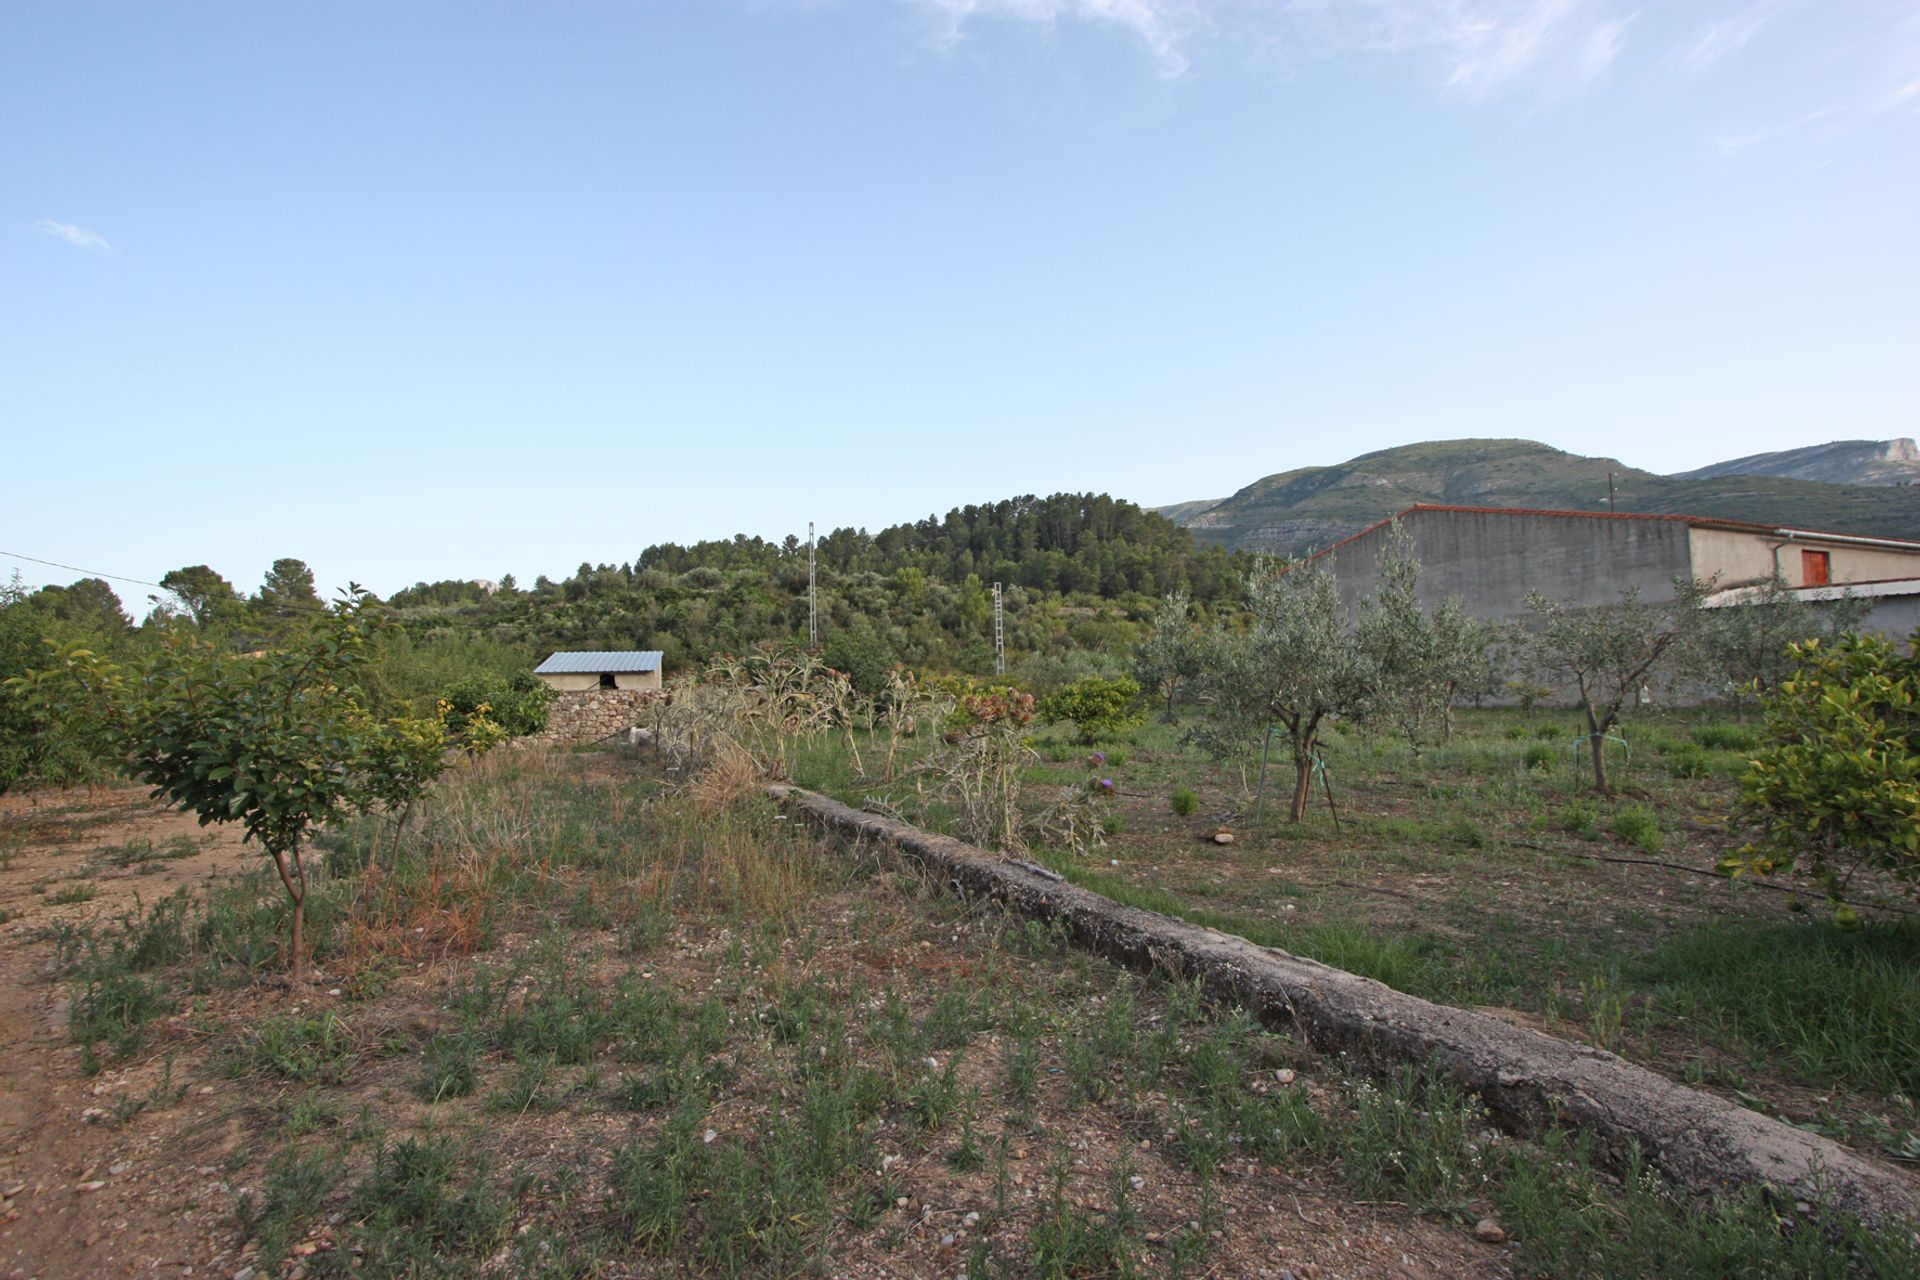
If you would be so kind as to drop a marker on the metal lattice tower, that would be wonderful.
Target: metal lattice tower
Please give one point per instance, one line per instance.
(999, 635)
(813, 599)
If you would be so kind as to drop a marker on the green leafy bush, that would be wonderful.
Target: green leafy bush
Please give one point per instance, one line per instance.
(517, 703)
(863, 657)
(1184, 802)
(1097, 707)
(1640, 826)
(1835, 785)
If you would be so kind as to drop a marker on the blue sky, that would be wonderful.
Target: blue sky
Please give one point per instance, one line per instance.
(414, 291)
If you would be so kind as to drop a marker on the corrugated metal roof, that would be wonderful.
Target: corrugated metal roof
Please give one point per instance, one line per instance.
(596, 663)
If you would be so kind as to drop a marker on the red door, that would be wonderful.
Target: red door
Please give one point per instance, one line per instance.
(1813, 569)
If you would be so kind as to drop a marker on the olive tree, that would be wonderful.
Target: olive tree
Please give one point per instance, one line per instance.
(1608, 653)
(1415, 662)
(1742, 645)
(1295, 667)
(1166, 662)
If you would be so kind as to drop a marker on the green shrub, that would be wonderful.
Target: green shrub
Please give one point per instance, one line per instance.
(1688, 761)
(1184, 802)
(1097, 707)
(1538, 756)
(1465, 831)
(1836, 783)
(863, 657)
(1638, 825)
(517, 703)
(1580, 819)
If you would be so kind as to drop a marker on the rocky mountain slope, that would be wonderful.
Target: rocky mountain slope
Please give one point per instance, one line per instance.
(1895, 462)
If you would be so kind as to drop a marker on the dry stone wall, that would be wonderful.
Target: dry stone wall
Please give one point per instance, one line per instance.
(588, 715)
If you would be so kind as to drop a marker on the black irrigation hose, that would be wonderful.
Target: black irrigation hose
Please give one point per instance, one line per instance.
(1711, 875)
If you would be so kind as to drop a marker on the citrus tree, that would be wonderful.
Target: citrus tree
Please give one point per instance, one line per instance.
(1835, 787)
(275, 742)
(59, 720)
(1097, 707)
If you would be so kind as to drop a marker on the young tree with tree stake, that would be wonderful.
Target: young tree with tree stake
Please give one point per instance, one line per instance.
(1296, 667)
(1608, 653)
(1416, 662)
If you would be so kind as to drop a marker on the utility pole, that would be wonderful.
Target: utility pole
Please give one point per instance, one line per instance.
(1611, 508)
(999, 635)
(813, 598)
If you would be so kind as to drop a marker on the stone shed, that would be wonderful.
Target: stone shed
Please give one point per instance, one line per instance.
(596, 695)
(578, 672)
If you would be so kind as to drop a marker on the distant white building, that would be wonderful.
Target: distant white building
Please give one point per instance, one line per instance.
(576, 672)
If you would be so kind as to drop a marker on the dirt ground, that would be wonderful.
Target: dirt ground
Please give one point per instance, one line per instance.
(87, 1195)
(135, 1171)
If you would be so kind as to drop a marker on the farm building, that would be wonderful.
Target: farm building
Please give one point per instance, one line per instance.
(576, 672)
(1491, 558)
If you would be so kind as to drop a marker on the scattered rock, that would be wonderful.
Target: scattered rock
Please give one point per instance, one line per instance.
(1487, 1231)
(1223, 836)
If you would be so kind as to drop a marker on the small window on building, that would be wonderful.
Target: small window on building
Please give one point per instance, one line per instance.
(607, 680)
(1815, 569)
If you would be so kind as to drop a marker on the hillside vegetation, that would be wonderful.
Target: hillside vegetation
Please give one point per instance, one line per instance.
(1080, 572)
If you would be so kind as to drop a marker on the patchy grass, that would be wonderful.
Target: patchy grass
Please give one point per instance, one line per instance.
(1484, 871)
(757, 1055)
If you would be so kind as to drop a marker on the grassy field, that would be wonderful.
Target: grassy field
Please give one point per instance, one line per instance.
(1485, 872)
(588, 1023)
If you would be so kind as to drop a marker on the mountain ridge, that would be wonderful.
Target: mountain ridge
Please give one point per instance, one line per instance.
(1294, 512)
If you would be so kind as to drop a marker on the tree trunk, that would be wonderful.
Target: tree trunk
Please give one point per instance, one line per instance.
(393, 851)
(1302, 787)
(1597, 743)
(295, 880)
(1529, 1081)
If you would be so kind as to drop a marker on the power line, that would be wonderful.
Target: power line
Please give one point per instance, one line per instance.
(92, 573)
(172, 591)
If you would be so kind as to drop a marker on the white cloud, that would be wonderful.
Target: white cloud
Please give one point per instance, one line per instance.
(1735, 143)
(1480, 47)
(1728, 36)
(78, 237)
(1483, 47)
(1163, 26)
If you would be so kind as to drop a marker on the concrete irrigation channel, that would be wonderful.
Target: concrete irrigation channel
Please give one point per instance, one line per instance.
(1527, 1080)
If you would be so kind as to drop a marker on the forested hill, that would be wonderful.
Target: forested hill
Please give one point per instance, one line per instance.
(1069, 542)
(1079, 570)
